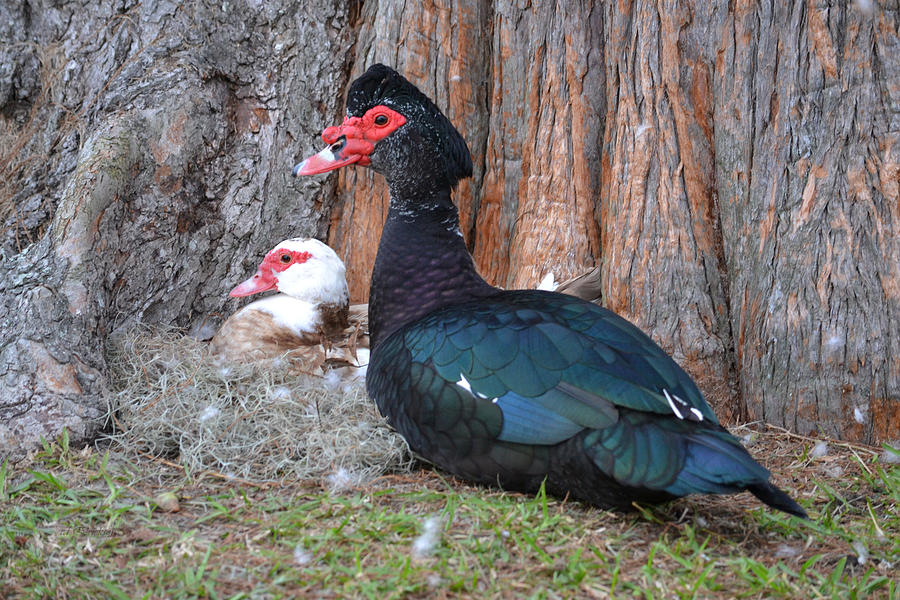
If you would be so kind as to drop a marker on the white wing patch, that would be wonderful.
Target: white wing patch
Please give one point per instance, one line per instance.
(464, 384)
(672, 399)
(672, 405)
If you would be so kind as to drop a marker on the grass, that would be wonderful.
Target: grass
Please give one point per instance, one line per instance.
(91, 523)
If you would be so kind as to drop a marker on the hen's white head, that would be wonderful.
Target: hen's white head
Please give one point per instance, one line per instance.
(303, 268)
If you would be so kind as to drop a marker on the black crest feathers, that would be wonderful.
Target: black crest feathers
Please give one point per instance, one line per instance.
(381, 85)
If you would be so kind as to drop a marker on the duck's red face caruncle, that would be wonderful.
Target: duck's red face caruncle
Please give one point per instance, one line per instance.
(266, 278)
(352, 141)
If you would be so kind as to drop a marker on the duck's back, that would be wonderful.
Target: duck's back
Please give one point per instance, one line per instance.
(529, 385)
(267, 328)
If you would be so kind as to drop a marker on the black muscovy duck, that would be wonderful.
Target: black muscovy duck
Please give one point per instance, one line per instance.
(513, 388)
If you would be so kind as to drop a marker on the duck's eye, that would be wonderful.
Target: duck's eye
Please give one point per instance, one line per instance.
(381, 120)
(285, 258)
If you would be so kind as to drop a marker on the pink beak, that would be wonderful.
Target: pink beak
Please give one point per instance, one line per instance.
(346, 146)
(324, 161)
(260, 282)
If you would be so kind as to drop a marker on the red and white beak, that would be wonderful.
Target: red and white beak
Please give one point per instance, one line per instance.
(352, 141)
(262, 281)
(333, 157)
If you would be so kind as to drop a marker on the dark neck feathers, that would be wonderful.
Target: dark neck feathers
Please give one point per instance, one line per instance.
(422, 264)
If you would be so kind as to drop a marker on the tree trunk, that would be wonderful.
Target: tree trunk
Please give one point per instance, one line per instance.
(146, 169)
(730, 169)
(808, 167)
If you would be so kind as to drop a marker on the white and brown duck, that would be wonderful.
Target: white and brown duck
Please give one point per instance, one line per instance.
(310, 320)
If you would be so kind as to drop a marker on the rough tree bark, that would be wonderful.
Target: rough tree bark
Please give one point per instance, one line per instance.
(663, 263)
(730, 169)
(808, 167)
(146, 168)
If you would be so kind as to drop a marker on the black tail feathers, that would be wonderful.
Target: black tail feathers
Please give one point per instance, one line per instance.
(776, 498)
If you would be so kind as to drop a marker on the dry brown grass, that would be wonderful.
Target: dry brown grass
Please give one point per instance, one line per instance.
(264, 421)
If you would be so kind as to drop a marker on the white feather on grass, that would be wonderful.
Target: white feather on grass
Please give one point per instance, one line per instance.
(819, 450)
(301, 556)
(426, 543)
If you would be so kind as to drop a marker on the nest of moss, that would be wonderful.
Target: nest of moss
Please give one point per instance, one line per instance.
(266, 421)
